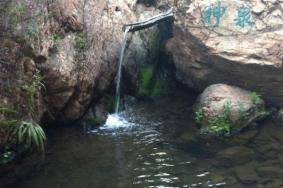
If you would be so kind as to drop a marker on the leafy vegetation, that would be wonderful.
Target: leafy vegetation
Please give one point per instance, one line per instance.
(24, 132)
(218, 124)
(31, 135)
(242, 112)
(80, 55)
(256, 98)
(199, 116)
(56, 38)
(32, 89)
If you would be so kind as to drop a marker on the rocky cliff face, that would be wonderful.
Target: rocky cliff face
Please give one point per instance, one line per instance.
(234, 42)
(74, 44)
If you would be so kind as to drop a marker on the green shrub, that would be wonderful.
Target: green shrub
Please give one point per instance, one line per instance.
(219, 124)
(27, 133)
(31, 135)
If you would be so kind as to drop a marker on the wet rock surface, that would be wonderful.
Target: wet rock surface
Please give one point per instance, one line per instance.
(228, 47)
(76, 46)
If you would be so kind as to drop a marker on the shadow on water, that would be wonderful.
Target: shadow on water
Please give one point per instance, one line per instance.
(156, 144)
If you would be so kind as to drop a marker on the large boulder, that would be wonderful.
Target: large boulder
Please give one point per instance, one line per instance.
(232, 41)
(75, 45)
(226, 109)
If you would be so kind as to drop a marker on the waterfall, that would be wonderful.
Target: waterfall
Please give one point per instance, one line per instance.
(119, 74)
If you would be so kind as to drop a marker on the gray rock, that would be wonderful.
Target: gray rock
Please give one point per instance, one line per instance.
(249, 57)
(236, 155)
(246, 174)
(270, 171)
(225, 108)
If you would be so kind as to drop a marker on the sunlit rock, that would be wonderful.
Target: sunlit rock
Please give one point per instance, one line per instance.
(224, 109)
(241, 44)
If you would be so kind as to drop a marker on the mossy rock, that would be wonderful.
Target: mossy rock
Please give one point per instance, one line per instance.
(223, 109)
(149, 86)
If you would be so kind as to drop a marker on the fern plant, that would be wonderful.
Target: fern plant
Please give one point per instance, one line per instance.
(31, 134)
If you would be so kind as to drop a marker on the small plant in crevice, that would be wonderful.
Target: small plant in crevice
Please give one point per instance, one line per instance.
(80, 48)
(32, 89)
(80, 42)
(256, 98)
(56, 38)
(32, 32)
(199, 116)
(257, 106)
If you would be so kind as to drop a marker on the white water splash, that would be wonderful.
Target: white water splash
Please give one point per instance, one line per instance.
(114, 121)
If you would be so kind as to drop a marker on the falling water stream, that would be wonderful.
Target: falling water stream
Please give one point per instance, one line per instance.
(119, 75)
